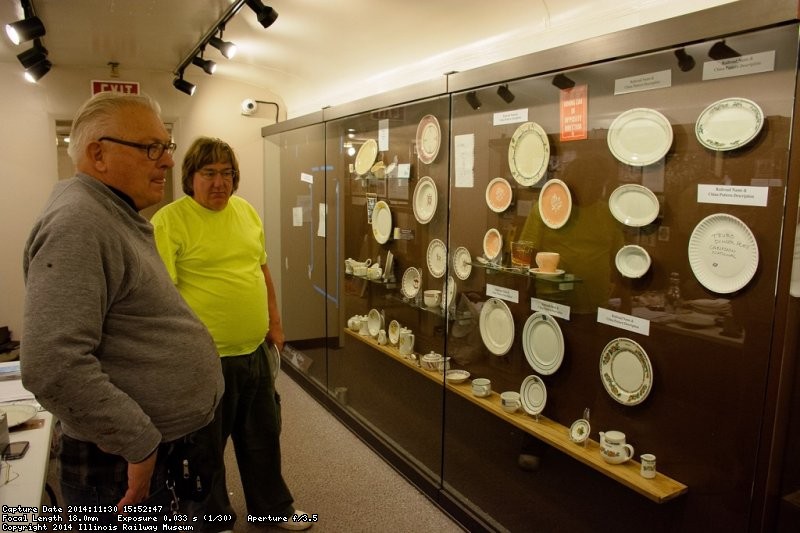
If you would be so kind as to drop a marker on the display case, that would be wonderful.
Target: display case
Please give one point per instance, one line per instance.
(661, 183)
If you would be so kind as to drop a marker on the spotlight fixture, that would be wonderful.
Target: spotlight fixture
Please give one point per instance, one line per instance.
(720, 50)
(685, 61)
(472, 100)
(34, 55)
(227, 48)
(207, 65)
(183, 85)
(505, 93)
(37, 71)
(265, 14)
(25, 30)
(563, 82)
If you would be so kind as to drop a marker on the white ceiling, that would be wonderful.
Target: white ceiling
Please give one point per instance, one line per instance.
(326, 52)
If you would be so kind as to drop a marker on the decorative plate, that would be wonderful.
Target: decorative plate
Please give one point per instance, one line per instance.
(640, 136)
(497, 326)
(723, 253)
(625, 371)
(17, 414)
(462, 263)
(412, 280)
(579, 431)
(448, 292)
(394, 331)
(555, 203)
(429, 137)
(533, 394)
(365, 157)
(425, 200)
(374, 322)
(498, 195)
(528, 154)
(543, 343)
(633, 205)
(456, 376)
(632, 261)
(437, 258)
(492, 244)
(729, 123)
(381, 222)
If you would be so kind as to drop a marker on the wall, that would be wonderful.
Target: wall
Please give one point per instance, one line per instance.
(28, 152)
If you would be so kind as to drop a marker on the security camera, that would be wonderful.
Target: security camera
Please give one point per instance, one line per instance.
(249, 106)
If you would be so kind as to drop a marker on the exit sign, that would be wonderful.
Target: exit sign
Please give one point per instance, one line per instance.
(126, 87)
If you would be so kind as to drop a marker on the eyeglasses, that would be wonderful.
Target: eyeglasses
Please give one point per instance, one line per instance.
(154, 150)
(209, 174)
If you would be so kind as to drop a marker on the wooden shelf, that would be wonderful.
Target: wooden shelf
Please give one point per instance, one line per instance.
(659, 489)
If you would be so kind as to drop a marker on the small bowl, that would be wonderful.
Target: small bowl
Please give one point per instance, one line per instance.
(456, 376)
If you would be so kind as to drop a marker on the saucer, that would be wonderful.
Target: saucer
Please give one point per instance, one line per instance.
(556, 272)
(579, 431)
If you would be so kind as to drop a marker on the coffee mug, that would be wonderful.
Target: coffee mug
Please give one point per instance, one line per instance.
(547, 261)
(648, 465)
(510, 401)
(481, 387)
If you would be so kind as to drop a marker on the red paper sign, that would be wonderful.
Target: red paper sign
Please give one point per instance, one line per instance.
(574, 113)
(126, 87)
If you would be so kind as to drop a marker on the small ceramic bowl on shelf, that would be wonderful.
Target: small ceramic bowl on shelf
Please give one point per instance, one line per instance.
(456, 376)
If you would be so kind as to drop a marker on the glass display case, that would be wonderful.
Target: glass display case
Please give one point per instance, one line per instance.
(602, 244)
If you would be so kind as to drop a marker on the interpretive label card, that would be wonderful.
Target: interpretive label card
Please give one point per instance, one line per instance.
(623, 321)
(503, 293)
(732, 195)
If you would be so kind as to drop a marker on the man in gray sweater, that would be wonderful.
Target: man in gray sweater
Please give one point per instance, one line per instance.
(109, 346)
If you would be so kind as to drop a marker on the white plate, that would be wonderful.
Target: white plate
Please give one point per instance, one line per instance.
(365, 157)
(492, 244)
(412, 279)
(632, 261)
(528, 154)
(533, 394)
(449, 292)
(555, 203)
(17, 414)
(456, 376)
(462, 263)
(429, 137)
(640, 136)
(543, 343)
(374, 322)
(437, 258)
(498, 195)
(394, 331)
(633, 205)
(625, 371)
(723, 253)
(425, 200)
(381, 222)
(579, 431)
(497, 326)
(729, 123)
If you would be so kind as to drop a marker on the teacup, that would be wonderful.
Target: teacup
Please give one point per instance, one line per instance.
(481, 387)
(432, 297)
(547, 261)
(510, 401)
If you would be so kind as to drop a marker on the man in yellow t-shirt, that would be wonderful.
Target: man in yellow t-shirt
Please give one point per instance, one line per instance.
(212, 244)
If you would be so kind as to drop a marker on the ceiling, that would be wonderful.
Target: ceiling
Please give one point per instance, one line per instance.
(323, 52)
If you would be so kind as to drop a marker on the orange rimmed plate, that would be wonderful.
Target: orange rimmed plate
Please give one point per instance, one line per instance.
(555, 203)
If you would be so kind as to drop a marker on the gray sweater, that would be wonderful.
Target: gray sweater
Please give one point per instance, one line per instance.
(108, 344)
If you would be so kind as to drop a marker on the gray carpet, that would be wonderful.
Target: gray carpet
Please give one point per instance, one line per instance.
(334, 474)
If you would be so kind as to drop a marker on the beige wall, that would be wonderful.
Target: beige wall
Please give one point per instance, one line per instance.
(29, 158)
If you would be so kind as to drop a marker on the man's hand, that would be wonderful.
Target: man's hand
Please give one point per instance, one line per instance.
(276, 336)
(139, 476)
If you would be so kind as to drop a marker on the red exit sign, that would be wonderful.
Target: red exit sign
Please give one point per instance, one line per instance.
(126, 87)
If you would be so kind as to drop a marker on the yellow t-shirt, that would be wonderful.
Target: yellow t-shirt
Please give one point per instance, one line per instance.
(214, 258)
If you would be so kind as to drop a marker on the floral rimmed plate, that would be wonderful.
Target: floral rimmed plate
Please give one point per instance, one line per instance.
(498, 195)
(425, 200)
(462, 263)
(555, 203)
(437, 258)
(429, 138)
(365, 157)
(625, 371)
(412, 280)
(579, 431)
(528, 154)
(640, 136)
(729, 123)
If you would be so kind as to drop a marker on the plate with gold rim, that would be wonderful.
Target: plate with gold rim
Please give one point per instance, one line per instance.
(528, 154)
(625, 371)
(429, 138)
(365, 157)
(381, 222)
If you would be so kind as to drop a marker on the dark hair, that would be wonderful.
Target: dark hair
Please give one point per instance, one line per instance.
(207, 151)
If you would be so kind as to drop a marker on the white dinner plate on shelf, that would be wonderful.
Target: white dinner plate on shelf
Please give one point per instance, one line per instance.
(533, 394)
(543, 343)
(365, 157)
(528, 154)
(723, 253)
(555, 203)
(17, 414)
(437, 258)
(425, 200)
(634, 205)
(381, 222)
(497, 326)
(632, 261)
(640, 136)
(492, 244)
(462, 263)
(412, 280)
(498, 195)
(729, 123)
(625, 371)
(429, 138)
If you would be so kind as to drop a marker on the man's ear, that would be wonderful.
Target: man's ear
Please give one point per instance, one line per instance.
(96, 155)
